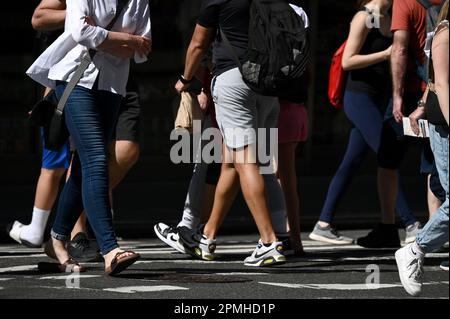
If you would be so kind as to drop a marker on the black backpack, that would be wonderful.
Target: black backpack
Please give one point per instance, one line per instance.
(278, 50)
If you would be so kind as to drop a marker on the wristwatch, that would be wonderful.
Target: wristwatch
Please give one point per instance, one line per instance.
(184, 80)
(421, 103)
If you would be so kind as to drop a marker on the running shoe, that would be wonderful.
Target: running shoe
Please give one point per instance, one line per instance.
(444, 265)
(83, 249)
(197, 244)
(14, 230)
(382, 236)
(169, 235)
(329, 235)
(264, 255)
(410, 269)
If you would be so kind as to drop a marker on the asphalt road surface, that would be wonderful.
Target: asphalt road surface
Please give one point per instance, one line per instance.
(337, 272)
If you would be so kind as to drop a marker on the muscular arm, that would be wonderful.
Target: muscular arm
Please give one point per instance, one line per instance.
(351, 59)
(399, 63)
(440, 64)
(200, 43)
(49, 15)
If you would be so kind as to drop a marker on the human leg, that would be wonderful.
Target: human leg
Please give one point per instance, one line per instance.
(288, 179)
(90, 117)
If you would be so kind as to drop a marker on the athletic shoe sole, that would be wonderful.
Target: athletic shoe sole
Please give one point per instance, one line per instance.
(199, 253)
(269, 261)
(444, 268)
(398, 259)
(178, 247)
(324, 239)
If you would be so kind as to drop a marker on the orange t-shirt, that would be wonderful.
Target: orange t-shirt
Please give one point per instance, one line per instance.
(410, 15)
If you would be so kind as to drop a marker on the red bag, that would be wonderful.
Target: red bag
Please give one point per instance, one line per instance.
(337, 79)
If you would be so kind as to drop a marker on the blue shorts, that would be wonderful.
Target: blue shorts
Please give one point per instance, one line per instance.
(55, 159)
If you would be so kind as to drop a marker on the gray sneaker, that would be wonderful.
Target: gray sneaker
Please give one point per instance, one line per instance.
(444, 265)
(329, 235)
(412, 231)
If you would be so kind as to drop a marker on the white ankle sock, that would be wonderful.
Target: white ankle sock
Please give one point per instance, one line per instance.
(34, 232)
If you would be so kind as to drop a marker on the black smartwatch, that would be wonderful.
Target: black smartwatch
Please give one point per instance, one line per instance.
(184, 80)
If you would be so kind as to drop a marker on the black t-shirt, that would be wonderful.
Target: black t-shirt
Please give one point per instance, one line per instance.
(232, 16)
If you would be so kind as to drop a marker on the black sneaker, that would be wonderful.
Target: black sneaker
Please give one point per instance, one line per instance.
(382, 236)
(288, 250)
(83, 249)
(197, 244)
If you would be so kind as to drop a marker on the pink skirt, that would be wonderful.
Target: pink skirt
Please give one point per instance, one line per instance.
(292, 123)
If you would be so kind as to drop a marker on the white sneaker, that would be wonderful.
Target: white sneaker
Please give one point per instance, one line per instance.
(14, 231)
(412, 231)
(169, 235)
(444, 265)
(266, 256)
(197, 244)
(410, 269)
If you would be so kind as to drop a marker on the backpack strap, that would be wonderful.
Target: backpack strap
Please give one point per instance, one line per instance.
(425, 3)
(119, 8)
(230, 49)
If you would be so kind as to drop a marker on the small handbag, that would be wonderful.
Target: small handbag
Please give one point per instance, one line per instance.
(337, 79)
(48, 113)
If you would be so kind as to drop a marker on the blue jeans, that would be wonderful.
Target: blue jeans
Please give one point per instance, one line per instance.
(91, 116)
(435, 233)
(364, 111)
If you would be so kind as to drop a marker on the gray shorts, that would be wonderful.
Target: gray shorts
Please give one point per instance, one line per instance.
(240, 111)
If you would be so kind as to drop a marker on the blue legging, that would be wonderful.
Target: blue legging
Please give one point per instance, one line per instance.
(365, 113)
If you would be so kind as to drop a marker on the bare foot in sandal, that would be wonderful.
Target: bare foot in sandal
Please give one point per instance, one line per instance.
(56, 249)
(118, 260)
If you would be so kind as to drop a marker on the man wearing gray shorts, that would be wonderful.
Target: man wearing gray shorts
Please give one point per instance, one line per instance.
(240, 112)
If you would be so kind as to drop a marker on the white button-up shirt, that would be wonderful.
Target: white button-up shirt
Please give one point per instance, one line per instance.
(60, 61)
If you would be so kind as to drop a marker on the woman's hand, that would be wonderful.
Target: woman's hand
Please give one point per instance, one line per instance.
(414, 118)
(388, 52)
(89, 20)
(203, 100)
(142, 45)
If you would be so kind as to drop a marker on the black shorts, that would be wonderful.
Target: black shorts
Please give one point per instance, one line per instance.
(128, 122)
(393, 144)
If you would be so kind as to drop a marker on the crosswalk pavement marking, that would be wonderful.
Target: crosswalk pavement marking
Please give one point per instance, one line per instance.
(240, 273)
(343, 286)
(24, 256)
(134, 289)
(71, 276)
(18, 268)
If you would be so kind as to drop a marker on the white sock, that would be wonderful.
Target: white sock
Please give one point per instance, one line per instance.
(189, 220)
(34, 232)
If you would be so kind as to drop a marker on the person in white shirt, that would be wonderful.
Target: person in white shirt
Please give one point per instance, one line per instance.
(91, 113)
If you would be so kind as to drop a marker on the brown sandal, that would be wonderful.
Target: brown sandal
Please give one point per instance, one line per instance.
(49, 250)
(69, 266)
(120, 264)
